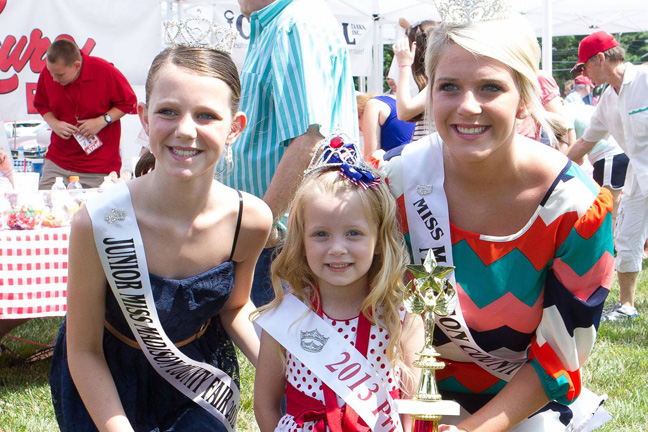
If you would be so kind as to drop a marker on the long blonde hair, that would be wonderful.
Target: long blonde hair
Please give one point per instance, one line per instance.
(382, 304)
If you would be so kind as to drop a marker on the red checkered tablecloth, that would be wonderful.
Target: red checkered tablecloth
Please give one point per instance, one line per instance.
(33, 272)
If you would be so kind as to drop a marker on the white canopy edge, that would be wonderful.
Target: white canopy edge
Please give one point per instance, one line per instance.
(549, 18)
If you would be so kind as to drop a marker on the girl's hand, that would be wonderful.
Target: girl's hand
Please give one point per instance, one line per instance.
(403, 52)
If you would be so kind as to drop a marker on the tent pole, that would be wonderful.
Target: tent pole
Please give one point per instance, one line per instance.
(375, 80)
(547, 37)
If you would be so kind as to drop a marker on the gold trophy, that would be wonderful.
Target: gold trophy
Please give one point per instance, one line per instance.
(429, 293)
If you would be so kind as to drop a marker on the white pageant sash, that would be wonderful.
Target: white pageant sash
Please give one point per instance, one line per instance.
(428, 219)
(121, 250)
(333, 360)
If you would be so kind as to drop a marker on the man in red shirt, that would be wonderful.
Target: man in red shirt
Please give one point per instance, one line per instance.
(82, 99)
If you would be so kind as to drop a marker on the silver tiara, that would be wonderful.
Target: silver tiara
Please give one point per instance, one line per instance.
(461, 12)
(199, 33)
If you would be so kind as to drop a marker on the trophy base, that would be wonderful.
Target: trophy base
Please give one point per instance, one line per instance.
(422, 409)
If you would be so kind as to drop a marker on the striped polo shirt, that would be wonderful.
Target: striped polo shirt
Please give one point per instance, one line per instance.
(296, 73)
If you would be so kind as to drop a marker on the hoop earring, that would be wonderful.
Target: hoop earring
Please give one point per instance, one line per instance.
(228, 163)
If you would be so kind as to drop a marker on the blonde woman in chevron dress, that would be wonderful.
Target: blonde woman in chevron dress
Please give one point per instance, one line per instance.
(530, 236)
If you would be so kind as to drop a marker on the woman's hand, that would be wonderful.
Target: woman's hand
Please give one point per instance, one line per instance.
(6, 163)
(407, 106)
(6, 166)
(404, 53)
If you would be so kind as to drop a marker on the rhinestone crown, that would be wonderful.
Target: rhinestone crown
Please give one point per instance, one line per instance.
(462, 12)
(199, 32)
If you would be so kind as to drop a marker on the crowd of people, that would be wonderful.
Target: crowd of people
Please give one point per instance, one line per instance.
(258, 220)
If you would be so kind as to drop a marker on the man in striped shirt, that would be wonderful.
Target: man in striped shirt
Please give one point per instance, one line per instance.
(296, 89)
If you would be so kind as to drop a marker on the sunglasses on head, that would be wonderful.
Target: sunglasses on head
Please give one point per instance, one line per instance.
(414, 29)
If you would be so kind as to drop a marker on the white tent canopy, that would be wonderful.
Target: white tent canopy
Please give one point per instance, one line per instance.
(548, 17)
(579, 17)
(385, 15)
(128, 33)
(568, 17)
(388, 11)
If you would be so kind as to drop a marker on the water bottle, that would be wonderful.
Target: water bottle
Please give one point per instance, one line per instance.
(58, 184)
(74, 184)
(107, 183)
(56, 202)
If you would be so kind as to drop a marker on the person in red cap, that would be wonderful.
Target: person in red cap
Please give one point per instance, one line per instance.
(582, 87)
(622, 112)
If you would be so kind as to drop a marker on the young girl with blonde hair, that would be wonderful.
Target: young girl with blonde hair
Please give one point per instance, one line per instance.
(343, 260)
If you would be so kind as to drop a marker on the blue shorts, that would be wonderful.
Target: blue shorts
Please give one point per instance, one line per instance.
(611, 171)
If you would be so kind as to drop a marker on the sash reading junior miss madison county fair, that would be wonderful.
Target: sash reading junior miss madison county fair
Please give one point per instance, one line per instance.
(333, 360)
(429, 227)
(121, 250)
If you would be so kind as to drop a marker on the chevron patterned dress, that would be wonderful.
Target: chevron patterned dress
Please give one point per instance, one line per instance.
(537, 293)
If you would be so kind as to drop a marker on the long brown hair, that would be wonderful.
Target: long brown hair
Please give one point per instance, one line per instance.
(419, 33)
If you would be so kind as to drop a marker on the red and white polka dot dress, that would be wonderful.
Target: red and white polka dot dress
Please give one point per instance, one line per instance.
(306, 382)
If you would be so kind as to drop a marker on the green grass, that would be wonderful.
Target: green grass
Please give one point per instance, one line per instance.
(25, 402)
(617, 367)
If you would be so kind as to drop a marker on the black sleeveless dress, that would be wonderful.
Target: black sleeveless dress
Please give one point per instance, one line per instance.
(150, 402)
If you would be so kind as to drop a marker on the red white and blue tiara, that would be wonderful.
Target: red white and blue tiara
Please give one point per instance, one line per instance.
(340, 151)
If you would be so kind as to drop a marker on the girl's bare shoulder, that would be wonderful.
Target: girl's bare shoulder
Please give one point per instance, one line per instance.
(256, 214)
(541, 160)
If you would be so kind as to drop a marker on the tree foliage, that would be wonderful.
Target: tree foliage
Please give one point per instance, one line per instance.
(388, 53)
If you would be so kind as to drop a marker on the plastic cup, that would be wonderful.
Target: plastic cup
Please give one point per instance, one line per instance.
(26, 181)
